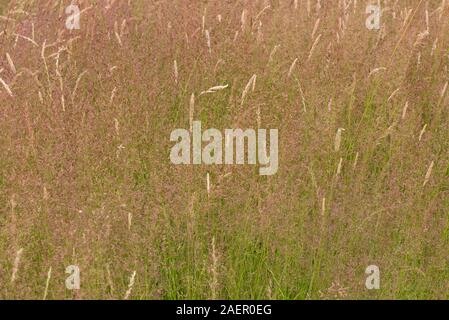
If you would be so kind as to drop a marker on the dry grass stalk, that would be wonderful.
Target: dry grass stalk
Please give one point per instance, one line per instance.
(191, 111)
(272, 53)
(7, 88)
(356, 160)
(393, 94)
(208, 41)
(292, 67)
(404, 110)
(443, 93)
(15, 268)
(130, 219)
(175, 70)
(315, 28)
(340, 165)
(428, 174)
(421, 134)
(214, 89)
(251, 84)
(130, 286)
(243, 19)
(376, 70)
(337, 142)
(47, 284)
(323, 206)
(315, 43)
(110, 283)
(11, 63)
(208, 183)
(77, 83)
(214, 272)
(422, 36)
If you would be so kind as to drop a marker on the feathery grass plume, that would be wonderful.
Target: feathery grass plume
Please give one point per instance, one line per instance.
(303, 98)
(236, 35)
(272, 53)
(191, 111)
(44, 46)
(259, 36)
(315, 43)
(243, 19)
(214, 272)
(63, 102)
(208, 183)
(337, 142)
(208, 41)
(203, 21)
(295, 4)
(11, 63)
(214, 89)
(251, 84)
(434, 47)
(423, 130)
(47, 284)
(405, 28)
(428, 174)
(46, 195)
(175, 70)
(323, 206)
(34, 43)
(16, 264)
(389, 130)
(110, 283)
(130, 220)
(422, 36)
(356, 160)
(329, 105)
(393, 94)
(309, 8)
(117, 126)
(111, 99)
(219, 18)
(77, 83)
(340, 164)
(122, 27)
(441, 8)
(376, 70)
(315, 28)
(219, 62)
(292, 67)
(427, 21)
(7, 88)
(269, 290)
(130, 286)
(260, 13)
(404, 111)
(117, 35)
(443, 93)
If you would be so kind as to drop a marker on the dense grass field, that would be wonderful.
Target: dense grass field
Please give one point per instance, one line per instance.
(86, 178)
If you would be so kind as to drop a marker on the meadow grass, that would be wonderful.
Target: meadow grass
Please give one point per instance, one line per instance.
(86, 179)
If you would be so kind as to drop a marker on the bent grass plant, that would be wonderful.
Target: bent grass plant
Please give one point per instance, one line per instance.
(85, 176)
